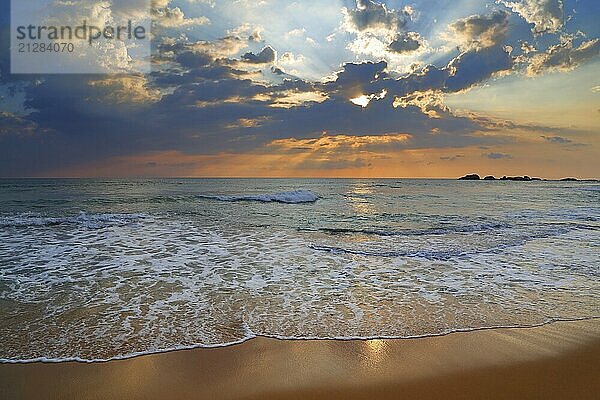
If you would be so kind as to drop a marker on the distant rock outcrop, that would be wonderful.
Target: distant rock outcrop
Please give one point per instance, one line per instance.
(519, 178)
(470, 177)
(525, 178)
(516, 178)
(475, 177)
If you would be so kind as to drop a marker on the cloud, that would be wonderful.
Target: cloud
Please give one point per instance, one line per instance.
(379, 30)
(481, 30)
(452, 158)
(266, 55)
(13, 124)
(205, 97)
(207, 105)
(160, 3)
(497, 156)
(248, 32)
(194, 59)
(469, 68)
(256, 35)
(406, 42)
(328, 162)
(475, 66)
(277, 70)
(329, 143)
(223, 47)
(545, 15)
(295, 98)
(373, 17)
(557, 139)
(355, 79)
(431, 102)
(563, 141)
(563, 57)
(289, 58)
(175, 18)
(294, 33)
(125, 89)
(527, 48)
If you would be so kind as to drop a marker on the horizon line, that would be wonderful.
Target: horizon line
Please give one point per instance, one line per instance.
(286, 177)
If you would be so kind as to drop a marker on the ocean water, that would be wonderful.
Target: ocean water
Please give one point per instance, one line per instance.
(103, 269)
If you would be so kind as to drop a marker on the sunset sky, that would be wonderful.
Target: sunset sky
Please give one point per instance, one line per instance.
(317, 88)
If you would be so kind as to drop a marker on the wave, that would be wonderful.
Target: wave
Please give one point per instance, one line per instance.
(90, 221)
(418, 232)
(293, 197)
(444, 255)
(429, 255)
(249, 335)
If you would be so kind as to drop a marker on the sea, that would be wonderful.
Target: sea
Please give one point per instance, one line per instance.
(95, 270)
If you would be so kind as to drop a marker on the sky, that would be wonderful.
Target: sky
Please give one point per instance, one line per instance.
(313, 88)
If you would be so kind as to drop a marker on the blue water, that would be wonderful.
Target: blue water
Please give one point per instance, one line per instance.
(102, 269)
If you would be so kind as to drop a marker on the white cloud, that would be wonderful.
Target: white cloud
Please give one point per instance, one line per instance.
(289, 58)
(545, 15)
(174, 18)
(298, 32)
(381, 32)
(375, 18)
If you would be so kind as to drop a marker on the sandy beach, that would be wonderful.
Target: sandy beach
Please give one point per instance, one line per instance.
(558, 360)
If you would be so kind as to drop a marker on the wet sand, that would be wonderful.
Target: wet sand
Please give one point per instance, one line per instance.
(559, 360)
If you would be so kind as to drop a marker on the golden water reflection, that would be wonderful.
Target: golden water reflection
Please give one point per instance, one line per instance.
(360, 202)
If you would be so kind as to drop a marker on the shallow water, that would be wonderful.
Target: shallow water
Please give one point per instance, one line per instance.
(93, 269)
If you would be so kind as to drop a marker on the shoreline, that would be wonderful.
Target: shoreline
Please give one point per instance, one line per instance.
(45, 360)
(550, 361)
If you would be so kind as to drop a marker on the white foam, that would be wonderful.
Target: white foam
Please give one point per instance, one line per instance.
(170, 281)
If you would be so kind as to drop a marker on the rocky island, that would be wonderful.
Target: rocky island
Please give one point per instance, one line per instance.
(525, 178)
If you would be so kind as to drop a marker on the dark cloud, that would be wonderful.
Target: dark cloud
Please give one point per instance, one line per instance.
(497, 156)
(266, 55)
(563, 57)
(452, 158)
(201, 113)
(484, 30)
(191, 59)
(477, 65)
(406, 42)
(202, 98)
(563, 141)
(467, 69)
(356, 79)
(557, 139)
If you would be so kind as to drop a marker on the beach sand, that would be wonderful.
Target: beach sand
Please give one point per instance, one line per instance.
(559, 360)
